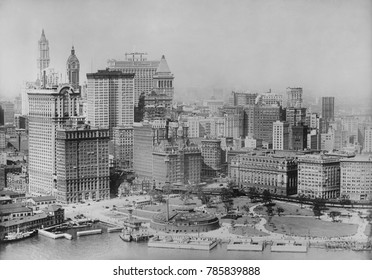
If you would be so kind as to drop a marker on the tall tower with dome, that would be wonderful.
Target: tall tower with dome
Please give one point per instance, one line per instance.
(73, 68)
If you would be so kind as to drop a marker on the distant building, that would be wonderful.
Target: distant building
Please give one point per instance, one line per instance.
(319, 176)
(43, 60)
(298, 137)
(211, 155)
(280, 135)
(259, 119)
(328, 108)
(368, 140)
(110, 99)
(242, 98)
(356, 178)
(278, 174)
(148, 74)
(294, 97)
(6, 112)
(123, 147)
(73, 68)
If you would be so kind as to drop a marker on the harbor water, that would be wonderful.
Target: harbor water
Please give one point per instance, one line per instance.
(108, 246)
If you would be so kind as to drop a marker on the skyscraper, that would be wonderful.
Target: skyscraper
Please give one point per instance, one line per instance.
(110, 99)
(148, 74)
(328, 108)
(294, 97)
(280, 135)
(43, 60)
(49, 109)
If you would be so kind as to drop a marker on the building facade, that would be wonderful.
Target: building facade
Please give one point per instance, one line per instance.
(280, 135)
(123, 147)
(211, 153)
(319, 176)
(294, 97)
(110, 99)
(278, 174)
(82, 170)
(356, 178)
(328, 108)
(49, 109)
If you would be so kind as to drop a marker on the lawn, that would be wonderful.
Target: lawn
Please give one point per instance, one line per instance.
(289, 209)
(247, 231)
(309, 226)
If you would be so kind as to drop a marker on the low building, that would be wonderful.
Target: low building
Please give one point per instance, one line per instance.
(319, 176)
(41, 201)
(356, 178)
(14, 211)
(181, 221)
(278, 174)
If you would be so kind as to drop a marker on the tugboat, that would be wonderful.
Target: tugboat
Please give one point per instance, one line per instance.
(133, 230)
(16, 236)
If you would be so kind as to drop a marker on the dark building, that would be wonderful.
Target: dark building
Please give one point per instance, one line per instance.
(328, 108)
(298, 137)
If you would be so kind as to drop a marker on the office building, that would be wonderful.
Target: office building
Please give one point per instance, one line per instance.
(123, 147)
(242, 98)
(110, 99)
(319, 176)
(298, 137)
(211, 154)
(367, 148)
(294, 97)
(295, 116)
(6, 112)
(82, 169)
(280, 135)
(328, 108)
(145, 70)
(49, 109)
(356, 178)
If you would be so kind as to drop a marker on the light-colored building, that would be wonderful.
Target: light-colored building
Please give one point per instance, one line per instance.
(367, 140)
(356, 178)
(110, 99)
(49, 110)
(280, 135)
(82, 171)
(278, 174)
(149, 75)
(294, 97)
(319, 176)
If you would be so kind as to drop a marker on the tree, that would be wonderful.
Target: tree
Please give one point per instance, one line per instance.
(301, 199)
(266, 196)
(318, 206)
(226, 197)
(334, 215)
(253, 193)
(187, 195)
(205, 199)
(344, 200)
(279, 210)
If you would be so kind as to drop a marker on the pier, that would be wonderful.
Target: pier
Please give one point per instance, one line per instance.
(53, 235)
(89, 232)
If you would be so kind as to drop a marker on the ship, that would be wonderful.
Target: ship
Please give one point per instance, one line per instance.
(17, 236)
(183, 242)
(134, 230)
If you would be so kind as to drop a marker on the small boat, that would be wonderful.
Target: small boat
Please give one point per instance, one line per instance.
(16, 236)
(125, 236)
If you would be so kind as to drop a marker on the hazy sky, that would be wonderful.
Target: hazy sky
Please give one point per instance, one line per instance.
(324, 46)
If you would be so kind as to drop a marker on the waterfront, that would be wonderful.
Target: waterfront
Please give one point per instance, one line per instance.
(108, 246)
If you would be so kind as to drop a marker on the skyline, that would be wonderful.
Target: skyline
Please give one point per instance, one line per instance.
(322, 46)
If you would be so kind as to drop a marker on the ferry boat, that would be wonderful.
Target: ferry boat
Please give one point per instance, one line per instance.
(133, 230)
(16, 236)
(183, 242)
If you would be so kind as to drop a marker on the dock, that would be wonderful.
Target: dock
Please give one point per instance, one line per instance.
(205, 244)
(289, 247)
(115, 229)
(53, 235)
(89, 232)
(246, 245)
